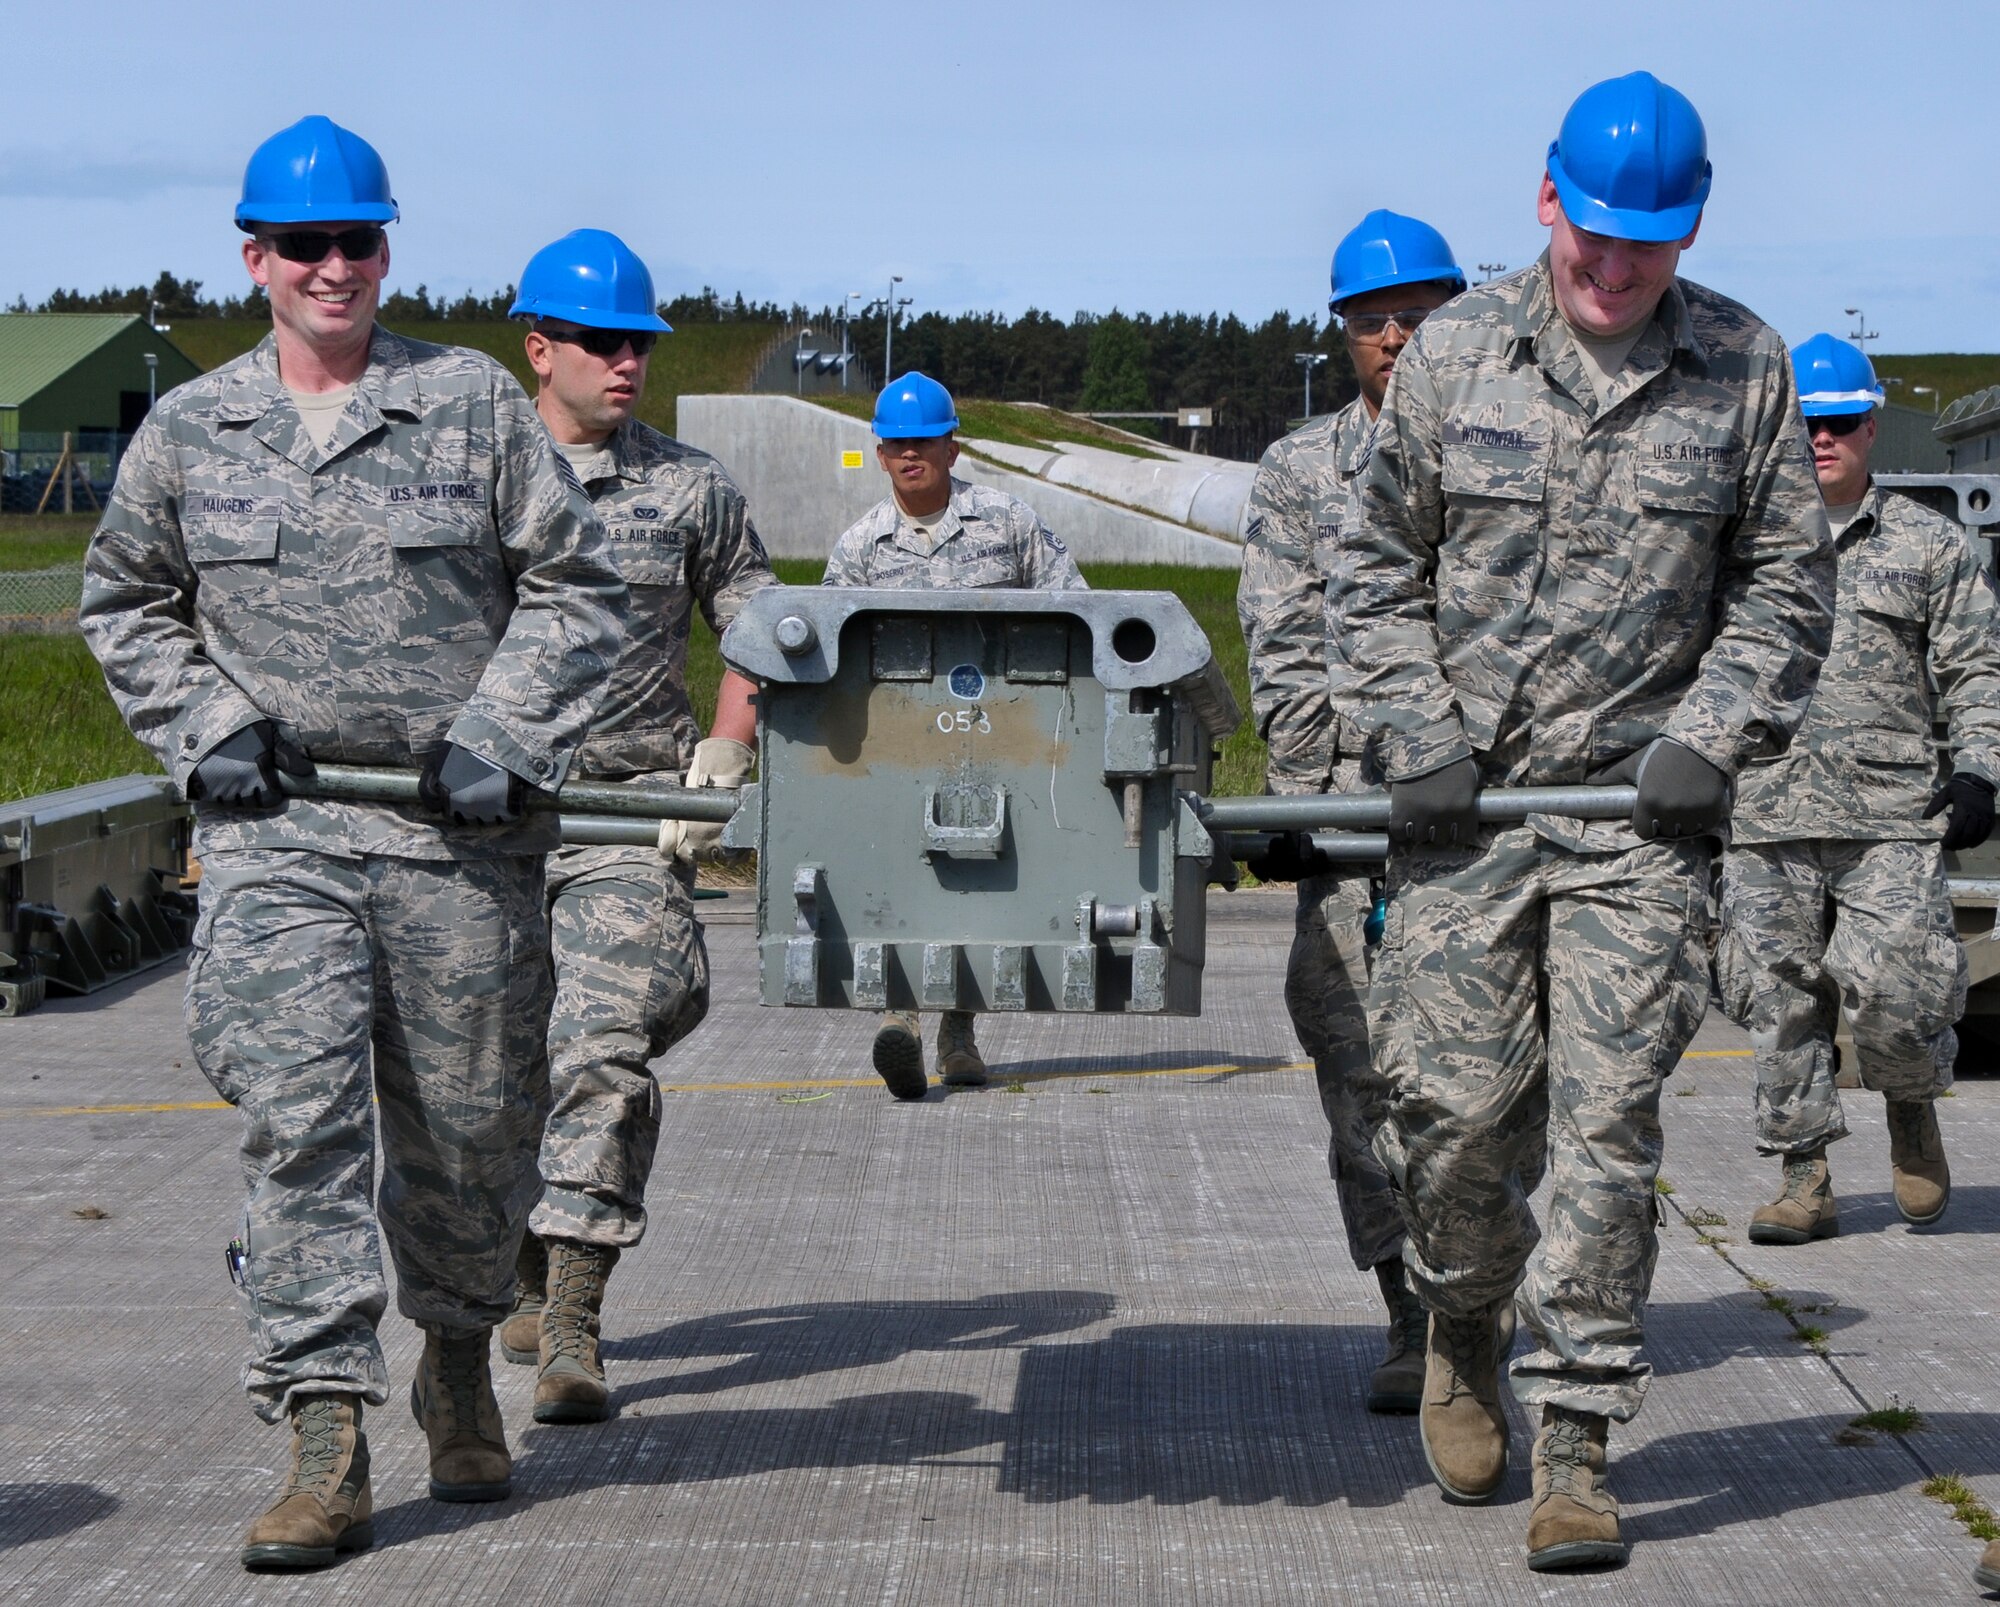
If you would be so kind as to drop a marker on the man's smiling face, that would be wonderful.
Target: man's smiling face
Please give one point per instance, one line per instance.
(330, 304)
(1606, 287)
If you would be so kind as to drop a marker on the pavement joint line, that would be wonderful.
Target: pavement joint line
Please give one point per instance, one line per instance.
(1226, 1068)
(1823, 1356)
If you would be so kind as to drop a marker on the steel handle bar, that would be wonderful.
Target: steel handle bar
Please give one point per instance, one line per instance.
(1369, 811)
(355, 783)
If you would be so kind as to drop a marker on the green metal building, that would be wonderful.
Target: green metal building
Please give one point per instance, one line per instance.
(80, 372)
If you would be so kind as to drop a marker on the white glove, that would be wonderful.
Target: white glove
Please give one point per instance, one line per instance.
(718, 762)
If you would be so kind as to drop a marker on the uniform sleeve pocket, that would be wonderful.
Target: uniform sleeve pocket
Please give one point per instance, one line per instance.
(235, 541)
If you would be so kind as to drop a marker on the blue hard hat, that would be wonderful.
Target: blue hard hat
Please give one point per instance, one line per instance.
(1631, 160)
(1385, 248)
(589, 277)
(1835, 377)
(315, 172)
(913, 407)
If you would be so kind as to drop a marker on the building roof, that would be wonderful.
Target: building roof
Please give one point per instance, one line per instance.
(38, 348)
(1970, 415)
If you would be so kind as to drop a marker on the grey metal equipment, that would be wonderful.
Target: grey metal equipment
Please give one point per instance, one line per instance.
(90, 887)
(974, 800)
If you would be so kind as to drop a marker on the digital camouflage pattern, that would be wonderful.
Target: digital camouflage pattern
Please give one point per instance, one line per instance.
(1550, 582)
(1303, 499)
(1914, 607)
(631, 981)
(1891, 963)
(1478, 1085)
(680, 536)
(1547, 581)
(434, 573)
(323, 989)
(631, 967)
(986, 538)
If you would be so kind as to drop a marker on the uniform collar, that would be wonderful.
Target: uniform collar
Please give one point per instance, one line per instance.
(1352, 432)
(1869, 518)
(1539, 323)
(628, 461)
(958, 513)
(388, 384)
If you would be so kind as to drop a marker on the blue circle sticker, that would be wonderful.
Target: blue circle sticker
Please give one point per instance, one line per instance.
(966, 682)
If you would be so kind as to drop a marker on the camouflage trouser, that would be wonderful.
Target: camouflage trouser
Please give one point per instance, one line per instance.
(1326, 990)
(310, 971)
(1892, 964)
(631, 981)
(1529, 996)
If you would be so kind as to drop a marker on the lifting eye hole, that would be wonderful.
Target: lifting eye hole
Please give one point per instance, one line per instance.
(1977, 499)
(1133, 641)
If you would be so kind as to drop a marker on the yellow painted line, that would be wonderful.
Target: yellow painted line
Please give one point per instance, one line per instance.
(111, 1110)
(1718, 1054)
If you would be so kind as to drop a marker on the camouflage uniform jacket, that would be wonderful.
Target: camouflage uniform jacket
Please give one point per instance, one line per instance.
(680, 535)
(1304, 502)
(1551, 581)
(1914, 605)
(986, 538)
(434, 573)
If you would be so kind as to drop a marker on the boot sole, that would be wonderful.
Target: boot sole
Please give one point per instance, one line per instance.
(1396, 1403)
(277, 1557)
(472, 1492)
(899, 1062)
(1464, 1498)
(1924, 1222)
(1986, 1578)
(1771, 1233)
(572, 1412)
(520, 1358)
(964, 1079)
(1579, 1554)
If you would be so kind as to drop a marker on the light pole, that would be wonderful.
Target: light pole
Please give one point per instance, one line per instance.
(889, 306)
(1861, 334)
(1490, 269)
(846, 326)
(1937, 401)
(799, 357)
(152, 379)
(1309, 361)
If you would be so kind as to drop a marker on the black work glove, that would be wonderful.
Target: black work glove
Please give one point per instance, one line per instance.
(1680, 793)
(243, 768)
(468, 790)
(1439, 810)
(1970, 800)
(1289, 857)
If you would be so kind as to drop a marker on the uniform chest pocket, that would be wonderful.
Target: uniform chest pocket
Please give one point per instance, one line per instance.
(1685, 488)
(233, 541)
(1493, 531)
(1476, 471)
(647, 555)
(447, 574)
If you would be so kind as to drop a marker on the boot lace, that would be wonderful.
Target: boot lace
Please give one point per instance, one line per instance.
(1407, 1329)
(954, 1035)
(1565, 1456)
(318, 1427)
(1469, 1344)
(577, 1288)
(461, 1374)
(1801, 1178)
(1908, 1121)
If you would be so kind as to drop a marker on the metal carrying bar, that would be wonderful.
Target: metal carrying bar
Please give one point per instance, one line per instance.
(354, 783)
(1369, 811)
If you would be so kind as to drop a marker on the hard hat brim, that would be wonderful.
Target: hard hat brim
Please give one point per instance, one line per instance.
(250, 216)
(915, 432)
(587, 317)
(1628, 223)
(1389, 281)
(1837, 404)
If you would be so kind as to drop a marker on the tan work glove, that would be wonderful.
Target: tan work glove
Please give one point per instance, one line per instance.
(718, 762)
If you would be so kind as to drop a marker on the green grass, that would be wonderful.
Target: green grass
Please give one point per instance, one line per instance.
(1965, 1506)
(1010, 423)
(1953, 374)
(1891, 1420)
(697, 359)
(61, 728)
(45, 541)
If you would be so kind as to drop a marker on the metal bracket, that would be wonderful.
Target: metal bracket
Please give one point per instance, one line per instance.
(742, 828)
(980, 839)
(802, 949)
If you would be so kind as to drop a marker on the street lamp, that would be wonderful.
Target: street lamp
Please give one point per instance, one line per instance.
(889, 306)
(799, 357)
(1861, 334)
(1490, 269)
(846, 322)
(1309, 361)
(1937, 401)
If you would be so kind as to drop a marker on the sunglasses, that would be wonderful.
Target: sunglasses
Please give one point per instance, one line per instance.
(1374, 325)
(604, 342)
(358, 244)
(1835, 423)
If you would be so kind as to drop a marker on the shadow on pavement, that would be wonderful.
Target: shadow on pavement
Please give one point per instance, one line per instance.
(30, 1512)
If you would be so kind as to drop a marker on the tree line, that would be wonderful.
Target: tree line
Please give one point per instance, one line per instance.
(1095, 363)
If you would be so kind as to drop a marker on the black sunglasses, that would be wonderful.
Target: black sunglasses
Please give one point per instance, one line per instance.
(1835, 423)
(604, 342)
(359, 244)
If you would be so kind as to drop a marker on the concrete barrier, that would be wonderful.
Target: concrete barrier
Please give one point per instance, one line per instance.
(797, 463)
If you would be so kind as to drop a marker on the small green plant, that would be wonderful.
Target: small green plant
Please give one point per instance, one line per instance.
(1662, 1186)
(1892, 1419)
(1100, 1090)
(1688, 1092)
(1955, 1493)
(1711, 1240)
(1812, 1337)
(1762, 1285)
(1777, 1303)
(1702, 1217)
(1014, 1085)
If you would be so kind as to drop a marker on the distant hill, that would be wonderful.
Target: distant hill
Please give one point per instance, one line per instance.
(1951, 374)
(697, 359)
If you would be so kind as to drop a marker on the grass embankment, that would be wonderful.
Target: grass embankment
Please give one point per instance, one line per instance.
(58, 727)
(1010, 423)
(44, 541)
(1950, 374)
(696, 360)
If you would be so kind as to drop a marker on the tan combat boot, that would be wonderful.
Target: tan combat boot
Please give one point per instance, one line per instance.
(899, 1055)
(1804, 1209)
(1987, 1575)
(1574, 1521)
(958, 1059)
(1398, 1384)
(325, 1507)
(521, 1333)
(452, 1399)
(570, 1387)
(1463, 1429)
(1916, 1160)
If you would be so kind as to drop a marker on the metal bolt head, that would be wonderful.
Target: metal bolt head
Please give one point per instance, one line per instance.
(795, 635)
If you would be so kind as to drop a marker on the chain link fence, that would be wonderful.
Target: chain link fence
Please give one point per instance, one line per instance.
(40, 599)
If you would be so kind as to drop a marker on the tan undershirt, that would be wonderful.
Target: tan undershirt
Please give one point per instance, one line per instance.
(319, 411)
(1603, 360)
(924, 526)
(583, 457)
(1839, 515)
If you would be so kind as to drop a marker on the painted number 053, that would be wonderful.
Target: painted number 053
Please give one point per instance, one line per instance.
(972, 719)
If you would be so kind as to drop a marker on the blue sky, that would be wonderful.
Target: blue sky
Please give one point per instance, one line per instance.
(1148, 156)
